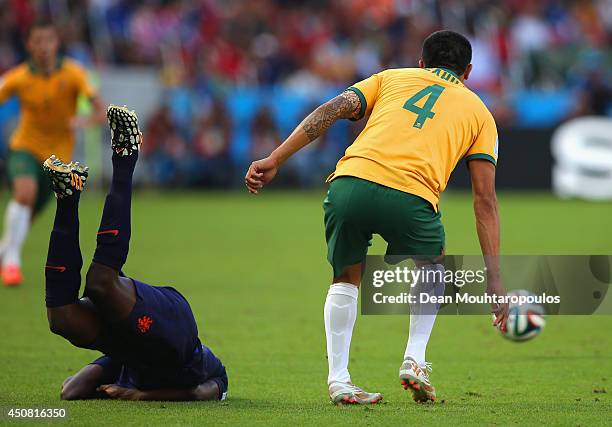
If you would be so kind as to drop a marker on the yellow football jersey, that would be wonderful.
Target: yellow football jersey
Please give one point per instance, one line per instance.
(422, 122)
(47, 104)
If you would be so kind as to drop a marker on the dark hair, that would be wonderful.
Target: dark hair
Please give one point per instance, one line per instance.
(447, 49)
(43, 22)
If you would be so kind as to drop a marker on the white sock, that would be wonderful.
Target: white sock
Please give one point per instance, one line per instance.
(423, 316)
(340, 314)
(16, 226)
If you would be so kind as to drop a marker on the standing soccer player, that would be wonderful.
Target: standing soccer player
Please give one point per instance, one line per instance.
(47, 87)
(422, 121)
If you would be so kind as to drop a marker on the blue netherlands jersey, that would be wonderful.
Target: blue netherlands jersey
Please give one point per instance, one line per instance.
(206, 366)
(157, 346)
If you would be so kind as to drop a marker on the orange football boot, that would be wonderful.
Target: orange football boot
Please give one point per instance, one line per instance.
(11, 275)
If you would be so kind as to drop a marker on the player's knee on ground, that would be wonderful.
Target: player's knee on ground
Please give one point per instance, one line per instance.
(99, 281)
(25, 190)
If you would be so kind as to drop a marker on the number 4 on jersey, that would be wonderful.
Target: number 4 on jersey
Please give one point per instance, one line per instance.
(423, 113)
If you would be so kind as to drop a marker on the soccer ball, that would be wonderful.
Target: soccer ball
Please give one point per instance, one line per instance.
(525, 320)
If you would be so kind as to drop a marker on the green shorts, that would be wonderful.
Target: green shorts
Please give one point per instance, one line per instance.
(22, 163)
(355, 209)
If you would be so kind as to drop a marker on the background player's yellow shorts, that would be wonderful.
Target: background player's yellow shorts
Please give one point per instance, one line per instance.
(355, 209)
(20, 163)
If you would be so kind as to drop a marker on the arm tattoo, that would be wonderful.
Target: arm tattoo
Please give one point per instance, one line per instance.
(344, 106)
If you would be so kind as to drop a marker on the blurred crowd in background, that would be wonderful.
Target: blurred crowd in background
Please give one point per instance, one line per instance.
(238, 74)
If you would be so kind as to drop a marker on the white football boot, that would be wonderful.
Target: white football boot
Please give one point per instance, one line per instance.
(416, 378)
(350, 394)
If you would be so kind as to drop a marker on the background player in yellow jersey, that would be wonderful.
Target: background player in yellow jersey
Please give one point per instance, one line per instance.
(422, 121)
(47, 87)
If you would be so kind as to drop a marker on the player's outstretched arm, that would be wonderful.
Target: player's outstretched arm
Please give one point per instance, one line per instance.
(344, 106)
(482, 173)
(83, 384)
(205, 391)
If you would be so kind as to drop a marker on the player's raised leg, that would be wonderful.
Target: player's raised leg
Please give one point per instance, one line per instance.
(113, 295)
(414, 371)
(68, 316)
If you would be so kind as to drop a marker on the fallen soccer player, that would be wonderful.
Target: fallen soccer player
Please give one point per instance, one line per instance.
(147, 334)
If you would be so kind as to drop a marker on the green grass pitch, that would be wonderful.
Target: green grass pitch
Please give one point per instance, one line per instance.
(254, 270)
